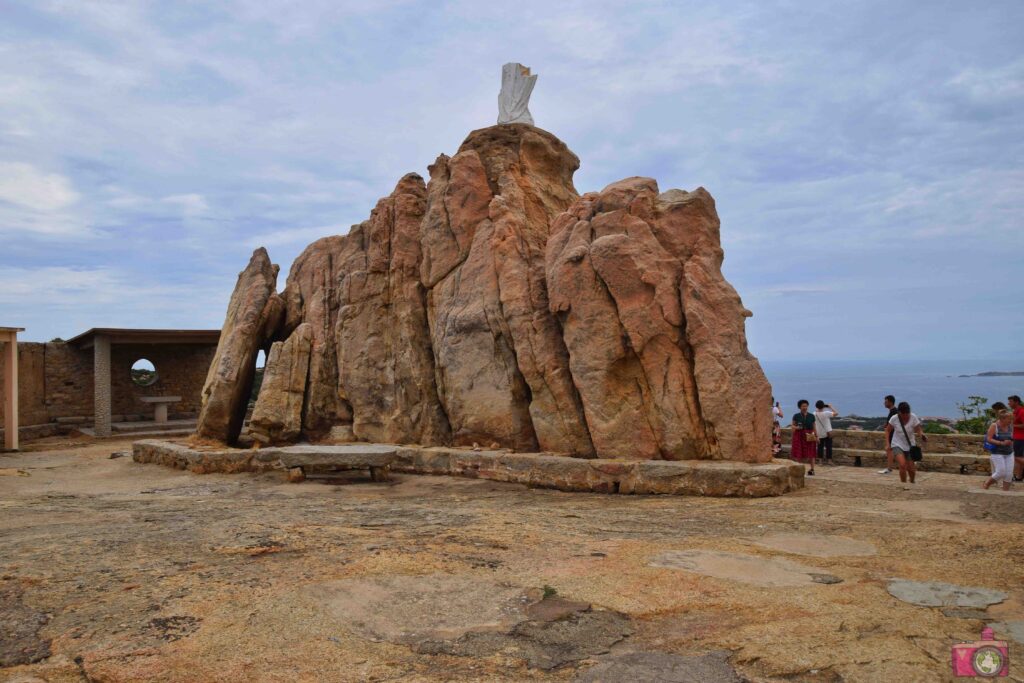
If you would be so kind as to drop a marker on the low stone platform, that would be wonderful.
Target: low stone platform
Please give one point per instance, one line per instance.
(306, 459)
(684, 477)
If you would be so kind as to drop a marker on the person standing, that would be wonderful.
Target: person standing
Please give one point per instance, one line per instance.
(823, 414)
(1000, 438)
(890, 405)
(804, 447)
(902, 433)
(1017, 410)
(776, 427)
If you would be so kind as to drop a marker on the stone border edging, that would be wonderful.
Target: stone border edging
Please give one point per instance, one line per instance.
(688, 477)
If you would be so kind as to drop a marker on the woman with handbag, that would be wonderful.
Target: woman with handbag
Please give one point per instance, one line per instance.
(901, 434)
(999, 444)
(805, 439)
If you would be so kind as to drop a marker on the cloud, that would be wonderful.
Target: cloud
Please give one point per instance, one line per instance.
(26, 186)
(51, 301)
(191, 204)
(295, 236)
(39, 205)
(59, 286)
(851, 148)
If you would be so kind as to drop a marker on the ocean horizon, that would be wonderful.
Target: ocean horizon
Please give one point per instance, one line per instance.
(856, 387)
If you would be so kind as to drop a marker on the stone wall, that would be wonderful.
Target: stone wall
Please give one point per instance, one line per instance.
(68, 383)
(875, 441)
(55, 380)
(31, 398)
(181, 370)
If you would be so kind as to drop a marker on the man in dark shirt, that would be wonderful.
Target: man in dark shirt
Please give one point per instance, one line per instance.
(890, 403)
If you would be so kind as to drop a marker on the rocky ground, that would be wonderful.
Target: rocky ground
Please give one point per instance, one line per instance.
(115, 571)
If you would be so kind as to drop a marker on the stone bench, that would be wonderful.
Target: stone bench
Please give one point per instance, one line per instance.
(160, 404)
(306, 459)
(951, 463)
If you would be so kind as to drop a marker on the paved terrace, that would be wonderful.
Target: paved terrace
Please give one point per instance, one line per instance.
(117, 571)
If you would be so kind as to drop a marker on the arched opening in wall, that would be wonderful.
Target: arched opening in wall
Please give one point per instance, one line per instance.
(144, 373)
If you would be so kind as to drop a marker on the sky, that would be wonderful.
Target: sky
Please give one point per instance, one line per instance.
(867, 158)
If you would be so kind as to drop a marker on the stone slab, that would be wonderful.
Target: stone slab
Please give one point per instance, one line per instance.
(662, 667)
(183, 457)
(691, 477)
(741, 568)
(816, 545)
(314, 457)
(409, 609)
(1011, 630)
(993, 491)
(938, 594)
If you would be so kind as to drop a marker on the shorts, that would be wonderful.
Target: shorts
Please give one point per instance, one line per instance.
(897, 451)
(1018, 448)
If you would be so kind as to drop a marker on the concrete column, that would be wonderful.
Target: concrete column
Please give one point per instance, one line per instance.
(10, 342)
(101, 384)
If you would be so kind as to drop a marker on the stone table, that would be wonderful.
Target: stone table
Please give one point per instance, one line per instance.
(160, 405)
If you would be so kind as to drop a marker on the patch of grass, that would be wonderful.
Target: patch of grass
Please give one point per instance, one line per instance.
(936, 428)
(549, 591)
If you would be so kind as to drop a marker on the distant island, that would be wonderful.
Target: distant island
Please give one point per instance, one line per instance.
(995, 373)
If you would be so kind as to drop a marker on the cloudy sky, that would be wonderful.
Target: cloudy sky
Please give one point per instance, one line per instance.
(867, 157)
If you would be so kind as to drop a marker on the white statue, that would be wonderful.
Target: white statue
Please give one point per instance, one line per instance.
(516, 86)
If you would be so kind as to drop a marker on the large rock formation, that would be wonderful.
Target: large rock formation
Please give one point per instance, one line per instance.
(655, 333)
(254, 314)
(277, 415)
(495, 305)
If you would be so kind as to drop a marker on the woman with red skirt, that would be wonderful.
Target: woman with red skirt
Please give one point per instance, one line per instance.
(805, 439)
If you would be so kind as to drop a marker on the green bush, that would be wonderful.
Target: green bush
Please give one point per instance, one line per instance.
(936, 428)
(976, 417)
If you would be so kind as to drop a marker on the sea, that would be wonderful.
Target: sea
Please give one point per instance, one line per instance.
(933, 388)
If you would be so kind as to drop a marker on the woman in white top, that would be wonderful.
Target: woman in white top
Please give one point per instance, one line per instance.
(901, 433)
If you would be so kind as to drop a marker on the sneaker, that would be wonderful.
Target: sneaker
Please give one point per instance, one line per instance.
(810, 473)
(885, 471)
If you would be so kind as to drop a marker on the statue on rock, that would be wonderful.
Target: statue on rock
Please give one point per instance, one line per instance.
(514, 98)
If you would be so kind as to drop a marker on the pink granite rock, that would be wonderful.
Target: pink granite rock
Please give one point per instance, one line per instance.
(494, 305)
(254, 314)
(277, 416)
(655, 333)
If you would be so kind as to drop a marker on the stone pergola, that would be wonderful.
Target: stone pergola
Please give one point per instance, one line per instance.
(100, 340)
(9, 339)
